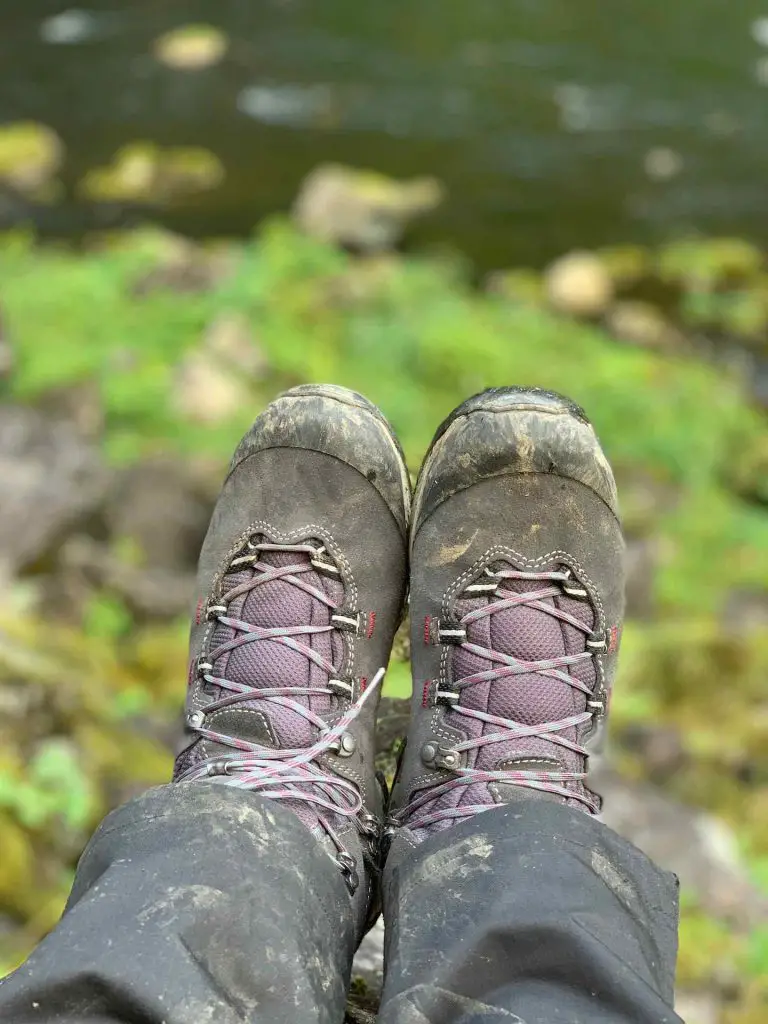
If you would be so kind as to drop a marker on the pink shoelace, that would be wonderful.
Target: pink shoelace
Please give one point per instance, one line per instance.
(428, 807)
(284, 773)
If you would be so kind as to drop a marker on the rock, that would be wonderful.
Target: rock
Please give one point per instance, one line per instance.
(207, 392)
(363, 282)
(191, 48)
(659, 747)
(702, 264)
(700, 849)
(641, 559)
(153, 591)
(626, 265)
(746, 470)
(640, 323)
(145, 173)
(579, 285)
(369, 960)
(53, 481)
(187, 270)
(662, 163)
(520, 286)
(391, 725)
(746, 610)
(230, 339)
(79, 404)
(69, 28)
(158, 506)
(698, 1007)
(361, 209)
(30, 155)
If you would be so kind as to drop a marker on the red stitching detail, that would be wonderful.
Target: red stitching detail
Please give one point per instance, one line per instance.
(613, 642)
(371, 624)
(425, 694)
(363, 684)
(199, 612)
(426, 629)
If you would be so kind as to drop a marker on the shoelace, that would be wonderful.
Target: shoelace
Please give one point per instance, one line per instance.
(508, 666)
(283, 773)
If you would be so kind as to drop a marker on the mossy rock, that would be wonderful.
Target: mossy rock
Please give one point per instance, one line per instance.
(145, 173)
(626, 265)
(703, 264)
(191, 47)
(17, 867)
(747, 470)
(30, 156)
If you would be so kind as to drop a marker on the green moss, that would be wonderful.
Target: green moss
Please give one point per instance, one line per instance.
(704, 263)
(705, 941)
(191, 47)
(30, 154)
(146, 173)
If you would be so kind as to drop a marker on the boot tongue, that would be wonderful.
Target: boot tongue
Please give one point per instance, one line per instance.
(531, 698)
(265, 664)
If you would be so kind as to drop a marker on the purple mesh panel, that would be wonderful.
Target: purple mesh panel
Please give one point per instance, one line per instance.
(528, 634)
(268, 663)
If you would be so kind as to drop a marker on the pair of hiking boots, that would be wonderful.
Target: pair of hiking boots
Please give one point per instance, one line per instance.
(512, 552)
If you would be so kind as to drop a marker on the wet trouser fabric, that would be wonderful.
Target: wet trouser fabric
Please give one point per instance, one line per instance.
(200, 904)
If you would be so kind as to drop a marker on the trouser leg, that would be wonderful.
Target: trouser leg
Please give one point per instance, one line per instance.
(531, 912)
(194, 904)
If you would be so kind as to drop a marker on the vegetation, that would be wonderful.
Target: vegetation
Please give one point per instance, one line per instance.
(132, 320)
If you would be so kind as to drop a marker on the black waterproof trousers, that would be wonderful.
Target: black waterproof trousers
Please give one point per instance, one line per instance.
(201, 904)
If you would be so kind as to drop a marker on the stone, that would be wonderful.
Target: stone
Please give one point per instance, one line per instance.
(143, 172)
(153, 591)
(207, 392)
(231, 339)
(640, 323)
(79, 404)
(30, 155)
(369, 959)
(662, 163)
(641, 560)
(579, 285)
(53, 481)
(158, 506)
(361, 209)
(191, 48)
(698, 847)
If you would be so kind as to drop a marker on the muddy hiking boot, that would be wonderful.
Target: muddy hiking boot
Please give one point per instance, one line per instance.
(516, 608)
(301, 586)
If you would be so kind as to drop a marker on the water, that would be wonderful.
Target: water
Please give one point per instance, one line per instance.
(554, 123)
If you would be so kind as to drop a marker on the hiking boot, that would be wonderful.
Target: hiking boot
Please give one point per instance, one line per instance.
(301, 585)
(516, 608)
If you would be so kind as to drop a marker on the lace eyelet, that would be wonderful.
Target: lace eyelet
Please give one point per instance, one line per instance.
(342, 688)
(346, 862)
(369, 825)
(345, 746)
(195, 719)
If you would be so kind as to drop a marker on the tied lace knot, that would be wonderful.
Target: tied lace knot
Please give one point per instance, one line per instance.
(500, 592)
(283, 772)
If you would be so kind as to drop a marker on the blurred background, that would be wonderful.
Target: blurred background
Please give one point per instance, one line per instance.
(203, 204)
